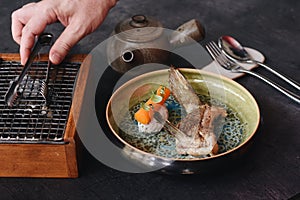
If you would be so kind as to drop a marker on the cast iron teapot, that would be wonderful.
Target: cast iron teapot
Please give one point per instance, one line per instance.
(140, 39)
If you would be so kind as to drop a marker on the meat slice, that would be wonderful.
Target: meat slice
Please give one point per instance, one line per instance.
(183, 91)
(199, 128)
(199, 124)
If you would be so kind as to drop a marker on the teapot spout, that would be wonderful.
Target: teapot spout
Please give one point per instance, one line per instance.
(187, 33)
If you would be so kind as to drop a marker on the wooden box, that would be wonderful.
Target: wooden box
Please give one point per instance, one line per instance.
(42, 160)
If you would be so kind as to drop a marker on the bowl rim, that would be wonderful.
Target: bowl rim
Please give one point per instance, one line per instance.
(108, 106)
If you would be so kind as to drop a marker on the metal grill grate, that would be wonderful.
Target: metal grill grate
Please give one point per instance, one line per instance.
(29, 121)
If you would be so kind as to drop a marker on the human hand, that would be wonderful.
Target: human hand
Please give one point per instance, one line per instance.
(80, 17)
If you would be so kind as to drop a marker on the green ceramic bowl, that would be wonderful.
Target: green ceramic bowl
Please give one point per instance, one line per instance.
(240, 126)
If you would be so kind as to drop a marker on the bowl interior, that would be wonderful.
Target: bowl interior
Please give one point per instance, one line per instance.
(237, 130)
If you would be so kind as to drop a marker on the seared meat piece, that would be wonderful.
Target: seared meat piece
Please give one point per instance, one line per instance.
(199, 122)
(183, 91)
(200, 132)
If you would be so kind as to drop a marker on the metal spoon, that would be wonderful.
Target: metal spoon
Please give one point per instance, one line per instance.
(235, 51)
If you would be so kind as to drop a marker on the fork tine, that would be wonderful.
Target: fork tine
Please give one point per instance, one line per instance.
(221, 55)
(211, 51)
(215, 49)
(217, 54)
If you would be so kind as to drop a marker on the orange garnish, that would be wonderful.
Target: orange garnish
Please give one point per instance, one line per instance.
(161, 95)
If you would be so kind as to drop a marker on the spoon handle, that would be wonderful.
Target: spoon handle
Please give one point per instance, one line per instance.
(286, 79)
(284, 91)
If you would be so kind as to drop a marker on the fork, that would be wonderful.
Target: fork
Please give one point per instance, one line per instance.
(217, 54)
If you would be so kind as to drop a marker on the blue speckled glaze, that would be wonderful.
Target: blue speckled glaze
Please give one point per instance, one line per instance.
(163, 143)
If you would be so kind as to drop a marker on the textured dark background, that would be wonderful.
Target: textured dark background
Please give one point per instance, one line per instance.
(270, 170)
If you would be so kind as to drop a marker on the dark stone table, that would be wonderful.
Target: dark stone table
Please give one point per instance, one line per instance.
(270, 170)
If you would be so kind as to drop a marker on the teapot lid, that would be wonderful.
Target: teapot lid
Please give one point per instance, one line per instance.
(139, 28)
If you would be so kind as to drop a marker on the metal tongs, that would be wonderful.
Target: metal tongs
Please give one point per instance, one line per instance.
(12, 92)
(44, 91)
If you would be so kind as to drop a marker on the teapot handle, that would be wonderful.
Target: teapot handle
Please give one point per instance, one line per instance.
(187, 32)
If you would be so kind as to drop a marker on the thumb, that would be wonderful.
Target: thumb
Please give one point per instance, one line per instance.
(69, 37)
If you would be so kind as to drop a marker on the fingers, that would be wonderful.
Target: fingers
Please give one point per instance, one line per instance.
(35, 26)
(27, 23)
(16, 28)
(32, 19)
(18, 19)
(69, 37)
